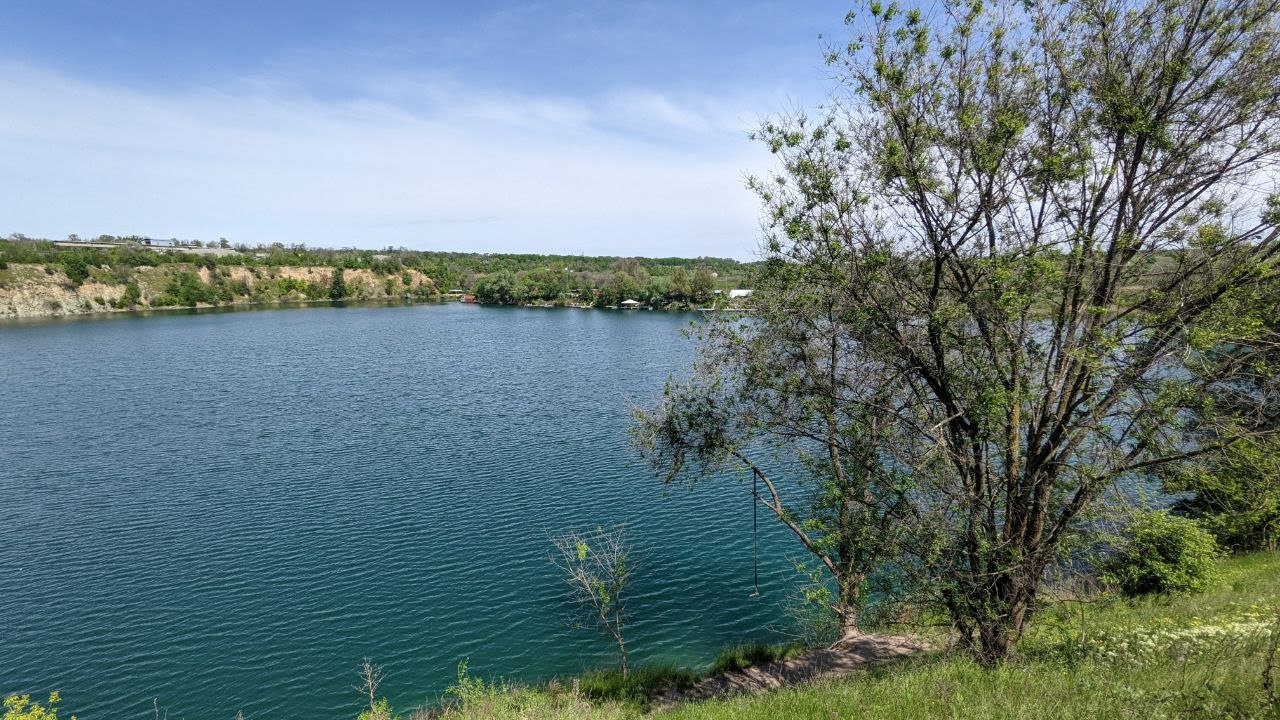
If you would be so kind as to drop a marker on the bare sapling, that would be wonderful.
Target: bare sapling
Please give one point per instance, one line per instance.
(597, 567)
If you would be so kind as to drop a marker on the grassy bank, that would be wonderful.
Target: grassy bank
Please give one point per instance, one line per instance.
(1192, 656)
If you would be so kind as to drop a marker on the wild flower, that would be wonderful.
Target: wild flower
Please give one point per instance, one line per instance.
(1164, 642)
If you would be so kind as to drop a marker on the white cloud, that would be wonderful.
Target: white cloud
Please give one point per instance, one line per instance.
(422, 163)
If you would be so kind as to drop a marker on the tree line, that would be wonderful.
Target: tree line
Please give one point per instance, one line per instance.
(627, 279)
(450, 270)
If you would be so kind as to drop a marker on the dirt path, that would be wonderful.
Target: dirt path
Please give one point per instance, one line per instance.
(841, 659)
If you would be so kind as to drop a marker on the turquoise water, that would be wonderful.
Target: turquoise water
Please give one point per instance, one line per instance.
(227, 511)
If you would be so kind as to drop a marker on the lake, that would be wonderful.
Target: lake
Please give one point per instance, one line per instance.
(222, 511)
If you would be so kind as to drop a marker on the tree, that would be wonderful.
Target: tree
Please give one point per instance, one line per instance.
(702, 285)
(679, 286)
(1235, 492)
(1020, 219)
(502, 287)
(371, 677)
(337, 286)
(622, 286)
(547, 283)
(597, 567)
(632, 267)
(786, 385)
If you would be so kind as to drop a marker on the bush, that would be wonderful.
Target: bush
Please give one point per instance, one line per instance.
(76, 268)
(1163, 553)
(186, 288)
(132, 296)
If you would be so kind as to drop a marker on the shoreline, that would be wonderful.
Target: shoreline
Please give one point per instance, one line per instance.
(110, 312)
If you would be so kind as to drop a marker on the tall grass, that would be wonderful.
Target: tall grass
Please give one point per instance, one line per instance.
(738, 657)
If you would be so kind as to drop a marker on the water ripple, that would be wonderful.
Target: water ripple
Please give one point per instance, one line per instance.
(227, 511)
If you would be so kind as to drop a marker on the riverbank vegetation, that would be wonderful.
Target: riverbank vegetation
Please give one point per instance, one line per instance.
(1100, 655)
(499, 278)
(628, 279)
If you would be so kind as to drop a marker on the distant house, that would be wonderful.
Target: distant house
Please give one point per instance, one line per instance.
(735, 294)
(630, 304)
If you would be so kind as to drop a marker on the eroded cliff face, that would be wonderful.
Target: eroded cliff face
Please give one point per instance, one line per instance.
(45, 290)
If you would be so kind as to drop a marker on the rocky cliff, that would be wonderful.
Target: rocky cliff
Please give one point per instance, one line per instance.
(46, 290)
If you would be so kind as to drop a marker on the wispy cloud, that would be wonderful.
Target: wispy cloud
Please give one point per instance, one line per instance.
(424, 162)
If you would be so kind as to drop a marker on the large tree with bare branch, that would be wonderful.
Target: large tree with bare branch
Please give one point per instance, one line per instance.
(994, 265)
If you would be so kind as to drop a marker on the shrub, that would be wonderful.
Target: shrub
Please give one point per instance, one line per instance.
(1163, 553)
(132, 294)
(186, 288)
(76, 268)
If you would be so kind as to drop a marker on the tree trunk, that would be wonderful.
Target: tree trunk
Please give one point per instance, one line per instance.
(995, 642)
(992, 621)
(847, 607)
(622, 652)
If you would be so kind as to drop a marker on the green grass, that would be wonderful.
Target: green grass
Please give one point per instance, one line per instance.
(1197, 656)
(742, 656)
(639, 687)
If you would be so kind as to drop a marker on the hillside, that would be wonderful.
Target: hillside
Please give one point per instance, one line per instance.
(36, 290)
(67, 277)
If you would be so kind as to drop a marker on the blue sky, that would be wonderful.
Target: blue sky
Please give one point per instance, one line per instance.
(579, 127)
